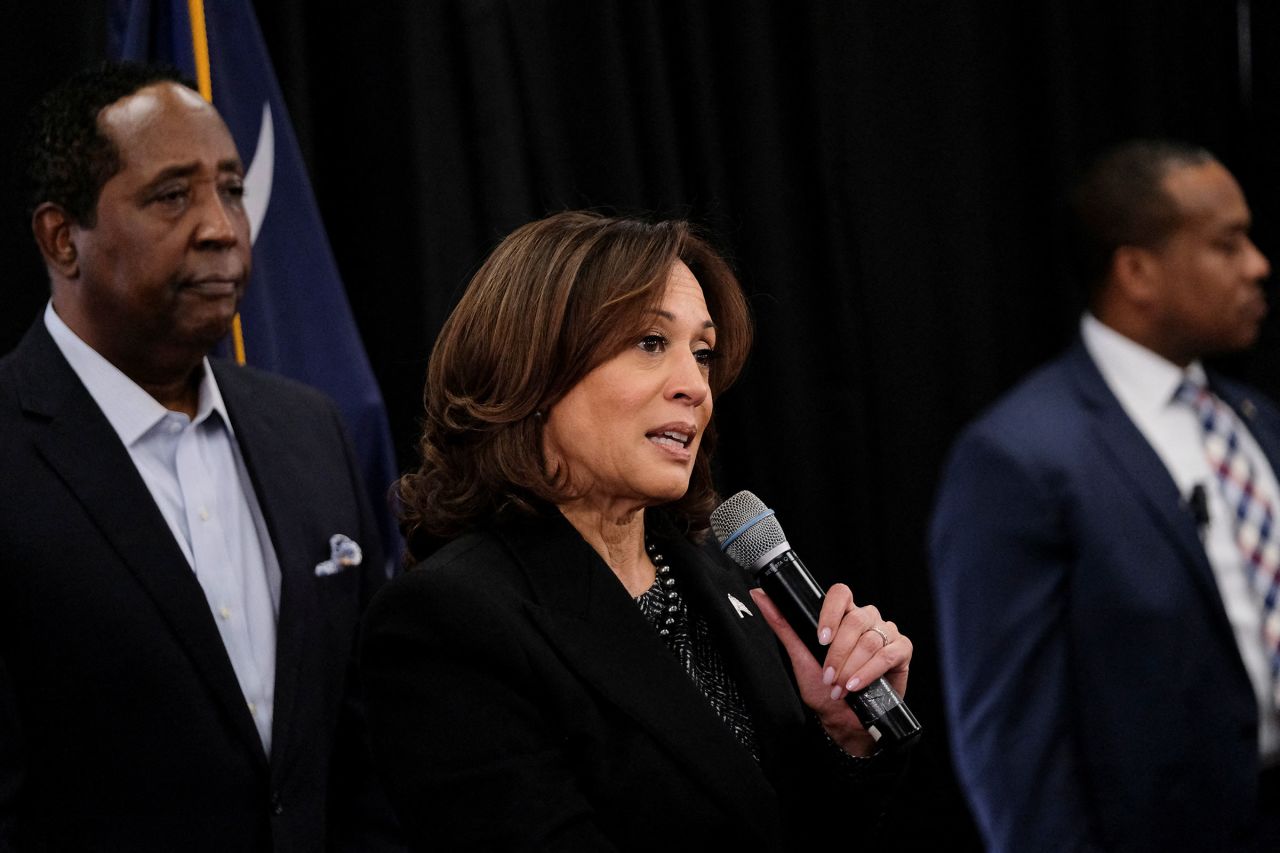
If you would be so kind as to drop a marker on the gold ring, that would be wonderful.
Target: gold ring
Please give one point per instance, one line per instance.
(884, 638)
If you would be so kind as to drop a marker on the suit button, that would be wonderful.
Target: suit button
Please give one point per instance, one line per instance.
(277, 806)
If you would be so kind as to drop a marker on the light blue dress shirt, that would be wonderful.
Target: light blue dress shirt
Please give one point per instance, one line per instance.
(194, 471)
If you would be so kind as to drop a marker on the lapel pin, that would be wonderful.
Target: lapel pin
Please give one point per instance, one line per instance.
(1248, 409)
(740, 607)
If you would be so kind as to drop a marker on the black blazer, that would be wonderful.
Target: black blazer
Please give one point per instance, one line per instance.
(518, 699)
(124, 727)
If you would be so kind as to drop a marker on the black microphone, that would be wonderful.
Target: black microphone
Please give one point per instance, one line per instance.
(750, 534)
(1198, 503)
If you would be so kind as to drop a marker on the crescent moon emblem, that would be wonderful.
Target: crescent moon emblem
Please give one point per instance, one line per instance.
(257, 180)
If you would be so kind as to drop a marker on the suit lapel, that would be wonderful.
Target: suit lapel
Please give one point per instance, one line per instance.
(588, 616)
(82, 448)
(745, 641)
(1145, 475)
(263, 436)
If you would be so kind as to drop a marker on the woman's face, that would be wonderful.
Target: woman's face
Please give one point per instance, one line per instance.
(628, 432)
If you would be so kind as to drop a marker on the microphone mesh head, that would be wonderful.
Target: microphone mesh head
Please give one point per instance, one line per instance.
(764, 535)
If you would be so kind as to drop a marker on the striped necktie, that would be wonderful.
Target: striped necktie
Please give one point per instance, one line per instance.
(1253, 514)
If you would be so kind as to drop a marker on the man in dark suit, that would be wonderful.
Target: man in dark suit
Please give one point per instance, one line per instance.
(1107, 663)
(184, 549)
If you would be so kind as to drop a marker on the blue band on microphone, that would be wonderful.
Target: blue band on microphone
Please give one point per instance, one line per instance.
(746, 525)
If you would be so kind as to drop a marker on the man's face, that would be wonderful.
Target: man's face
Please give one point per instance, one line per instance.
(1210, 296)
(161, 272)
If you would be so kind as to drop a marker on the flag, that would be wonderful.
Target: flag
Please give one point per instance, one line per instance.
(295, 318)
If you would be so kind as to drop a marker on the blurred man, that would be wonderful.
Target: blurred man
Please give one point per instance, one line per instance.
(181, 563)
(1102, 550)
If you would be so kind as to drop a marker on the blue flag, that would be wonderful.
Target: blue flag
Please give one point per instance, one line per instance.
(295, 319)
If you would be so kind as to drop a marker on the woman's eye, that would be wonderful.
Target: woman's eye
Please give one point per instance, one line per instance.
(705, 356)
(653, 343)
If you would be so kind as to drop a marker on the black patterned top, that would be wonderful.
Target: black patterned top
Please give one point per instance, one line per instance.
(689, 637)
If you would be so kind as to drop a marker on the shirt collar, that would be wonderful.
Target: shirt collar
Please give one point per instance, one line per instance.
(130, 410)
(1141, 378)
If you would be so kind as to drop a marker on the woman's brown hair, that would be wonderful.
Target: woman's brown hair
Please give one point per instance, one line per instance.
(554, 300)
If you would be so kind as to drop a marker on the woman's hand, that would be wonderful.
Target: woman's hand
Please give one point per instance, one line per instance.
(861, 647)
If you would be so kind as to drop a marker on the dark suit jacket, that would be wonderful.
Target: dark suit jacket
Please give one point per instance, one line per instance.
(124, 727)
(518, 699)
(1096, 696)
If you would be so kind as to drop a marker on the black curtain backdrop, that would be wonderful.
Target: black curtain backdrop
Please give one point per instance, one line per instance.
(887, 178)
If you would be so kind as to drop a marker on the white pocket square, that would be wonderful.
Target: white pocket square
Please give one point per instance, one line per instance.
(739, 607)
(343, 551)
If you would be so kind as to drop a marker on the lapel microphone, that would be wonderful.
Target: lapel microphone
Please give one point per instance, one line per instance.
(750, 535)
(1198, 503)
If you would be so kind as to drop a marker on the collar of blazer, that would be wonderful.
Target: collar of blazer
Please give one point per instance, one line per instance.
(1142, 470)
(586, 613)
(273, 441)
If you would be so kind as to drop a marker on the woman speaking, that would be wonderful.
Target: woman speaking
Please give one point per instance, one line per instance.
(574, 670)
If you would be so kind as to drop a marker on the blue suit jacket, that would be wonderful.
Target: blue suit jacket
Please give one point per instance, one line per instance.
(1096, 696)
(122, 725)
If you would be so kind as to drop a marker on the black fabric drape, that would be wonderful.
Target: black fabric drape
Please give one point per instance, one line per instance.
(886, 176)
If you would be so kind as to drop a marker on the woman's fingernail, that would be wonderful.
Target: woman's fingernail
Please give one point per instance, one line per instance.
(829, 675)
(824, 636)
(835, 692)
(853, 684)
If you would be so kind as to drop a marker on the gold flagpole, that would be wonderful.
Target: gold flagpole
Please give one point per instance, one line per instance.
(204, 81)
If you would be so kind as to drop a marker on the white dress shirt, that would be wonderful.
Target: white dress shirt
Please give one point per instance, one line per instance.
(1145, 385)
(196, 475)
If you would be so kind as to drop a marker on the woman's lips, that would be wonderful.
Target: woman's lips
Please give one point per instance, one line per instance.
(674, 439)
